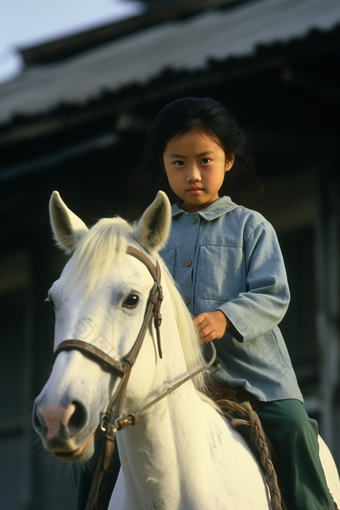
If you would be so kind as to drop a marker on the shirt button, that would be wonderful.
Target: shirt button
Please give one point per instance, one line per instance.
(194, 219)
(188, 262)
(186, 300)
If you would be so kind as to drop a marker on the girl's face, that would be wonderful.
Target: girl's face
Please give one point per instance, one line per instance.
(195, 166)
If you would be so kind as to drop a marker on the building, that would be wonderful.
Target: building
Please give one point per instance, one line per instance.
(75, 119)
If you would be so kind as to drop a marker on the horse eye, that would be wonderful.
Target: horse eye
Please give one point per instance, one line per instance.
(131, 301)
(49, 300)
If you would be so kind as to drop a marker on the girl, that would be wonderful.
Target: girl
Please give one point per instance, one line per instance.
(227, 262)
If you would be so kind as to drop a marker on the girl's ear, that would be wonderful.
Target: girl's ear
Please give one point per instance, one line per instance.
(229, 162)
(67, 228)
(153, 228)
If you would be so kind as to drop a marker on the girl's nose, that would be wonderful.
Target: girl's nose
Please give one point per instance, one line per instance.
(193, 174)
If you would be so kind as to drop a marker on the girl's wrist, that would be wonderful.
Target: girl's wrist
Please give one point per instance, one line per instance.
(227, 321)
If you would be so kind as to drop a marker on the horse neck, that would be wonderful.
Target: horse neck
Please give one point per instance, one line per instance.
(158, 454)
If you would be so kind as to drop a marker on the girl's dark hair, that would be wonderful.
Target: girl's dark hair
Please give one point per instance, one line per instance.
(181, 116)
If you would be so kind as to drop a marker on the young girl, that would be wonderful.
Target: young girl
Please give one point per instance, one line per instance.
(227, 262)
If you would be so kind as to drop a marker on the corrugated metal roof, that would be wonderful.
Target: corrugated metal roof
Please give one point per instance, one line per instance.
(181, 45)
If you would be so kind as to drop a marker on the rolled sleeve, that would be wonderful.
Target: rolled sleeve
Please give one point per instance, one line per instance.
(265, 302)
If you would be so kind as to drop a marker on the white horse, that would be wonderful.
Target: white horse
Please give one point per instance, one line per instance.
(181, 454)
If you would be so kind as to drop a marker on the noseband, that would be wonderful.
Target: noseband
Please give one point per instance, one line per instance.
(123, 370)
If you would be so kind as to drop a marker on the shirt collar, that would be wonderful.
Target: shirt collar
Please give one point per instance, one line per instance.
(217, 208)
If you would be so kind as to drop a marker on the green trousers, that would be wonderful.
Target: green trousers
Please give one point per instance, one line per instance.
(295, 439)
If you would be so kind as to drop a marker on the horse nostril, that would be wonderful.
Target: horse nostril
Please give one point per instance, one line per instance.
(51, 419)
(78, 419)
(38, 420)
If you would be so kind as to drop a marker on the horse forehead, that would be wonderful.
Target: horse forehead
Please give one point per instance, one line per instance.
(127, 270)
(133, 270)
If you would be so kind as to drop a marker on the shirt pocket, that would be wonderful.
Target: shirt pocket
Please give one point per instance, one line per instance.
(220, 272)
(169, 257)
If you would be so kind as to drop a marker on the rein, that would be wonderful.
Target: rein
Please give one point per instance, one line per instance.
(123, 370)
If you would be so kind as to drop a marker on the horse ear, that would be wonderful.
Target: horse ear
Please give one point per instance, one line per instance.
(67, 228)
(153, 228)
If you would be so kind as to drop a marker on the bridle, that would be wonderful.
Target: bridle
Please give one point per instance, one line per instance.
(123, 370)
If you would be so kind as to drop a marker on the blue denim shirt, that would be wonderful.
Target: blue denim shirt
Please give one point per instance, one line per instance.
(227, 258)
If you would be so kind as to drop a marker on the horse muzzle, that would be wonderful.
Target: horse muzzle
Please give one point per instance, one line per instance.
(63, 431)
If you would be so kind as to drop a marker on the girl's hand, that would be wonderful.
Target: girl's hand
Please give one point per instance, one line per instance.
(211, 326)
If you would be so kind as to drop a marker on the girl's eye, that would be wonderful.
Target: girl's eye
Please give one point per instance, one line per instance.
(49, 300)
(205, 161)
(178, 163)
(131, 301)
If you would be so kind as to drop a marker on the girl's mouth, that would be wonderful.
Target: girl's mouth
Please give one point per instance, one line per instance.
(194, 190)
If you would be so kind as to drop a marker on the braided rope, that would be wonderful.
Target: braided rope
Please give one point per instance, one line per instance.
(246, 417)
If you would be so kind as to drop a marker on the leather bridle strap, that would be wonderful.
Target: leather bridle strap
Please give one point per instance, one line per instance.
(100, 356)
(156, 294)
(132, 419)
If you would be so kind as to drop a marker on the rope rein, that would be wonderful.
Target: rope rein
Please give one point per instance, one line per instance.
(132, 419)
(243, 415)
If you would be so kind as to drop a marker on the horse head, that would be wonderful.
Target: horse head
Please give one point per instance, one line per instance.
(100, 302)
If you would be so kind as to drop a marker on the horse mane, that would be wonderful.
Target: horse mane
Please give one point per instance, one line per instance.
(102, 246)
(190, 340)
(106, 243)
